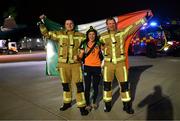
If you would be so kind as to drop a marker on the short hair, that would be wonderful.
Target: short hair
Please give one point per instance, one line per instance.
(110, 18)
(70, 19)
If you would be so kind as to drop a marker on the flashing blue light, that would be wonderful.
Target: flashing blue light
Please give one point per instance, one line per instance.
(142, 44)
(145, 24)
(143, 28)
(153, 24)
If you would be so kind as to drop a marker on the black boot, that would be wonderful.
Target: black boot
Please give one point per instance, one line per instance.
(65, 106)
(107, 107)
(128, 107)
(83, 111)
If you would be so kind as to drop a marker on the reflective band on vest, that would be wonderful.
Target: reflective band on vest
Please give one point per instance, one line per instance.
(62, 60)
(71, 48)
(113, 49)
(122, 58)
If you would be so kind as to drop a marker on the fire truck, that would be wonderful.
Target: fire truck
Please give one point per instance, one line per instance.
(152, 39)
(149, 41)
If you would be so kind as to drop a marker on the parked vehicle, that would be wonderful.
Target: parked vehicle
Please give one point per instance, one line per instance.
(153, 39)
(173, 39)
(7, 47)
(149, 41)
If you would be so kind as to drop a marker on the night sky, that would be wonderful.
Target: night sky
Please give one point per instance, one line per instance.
(85, 11)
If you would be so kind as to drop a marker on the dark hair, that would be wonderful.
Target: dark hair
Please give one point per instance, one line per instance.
(75, 26)
(69, 18)
(110, 18)
(91, 29)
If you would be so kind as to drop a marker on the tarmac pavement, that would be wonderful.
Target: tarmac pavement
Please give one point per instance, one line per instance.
(23, 56)
(26, 93)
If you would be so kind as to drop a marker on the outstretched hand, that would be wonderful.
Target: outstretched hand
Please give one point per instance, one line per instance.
(42, 16)
(149, 15)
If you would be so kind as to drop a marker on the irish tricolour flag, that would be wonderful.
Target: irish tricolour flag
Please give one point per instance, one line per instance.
(123, 21)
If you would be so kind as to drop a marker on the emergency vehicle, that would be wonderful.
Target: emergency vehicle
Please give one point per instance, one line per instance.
(149, 41)
(173, 36)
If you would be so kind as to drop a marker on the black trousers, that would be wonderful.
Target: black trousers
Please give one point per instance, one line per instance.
(92, 75)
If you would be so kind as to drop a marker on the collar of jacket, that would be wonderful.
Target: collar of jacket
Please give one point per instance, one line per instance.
(113, 32)
(69, 32)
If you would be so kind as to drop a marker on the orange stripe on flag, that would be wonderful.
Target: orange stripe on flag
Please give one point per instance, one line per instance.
(128, 19)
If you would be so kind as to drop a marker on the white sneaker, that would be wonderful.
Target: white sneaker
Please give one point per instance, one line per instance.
(88, 108)
(94, 106)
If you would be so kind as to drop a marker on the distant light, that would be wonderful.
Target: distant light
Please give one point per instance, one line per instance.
(142, 44)
(50, 52)
(37, 40)
(170, 42)
(166, 48)
(153, 24)
(145, 24)
(142, 28)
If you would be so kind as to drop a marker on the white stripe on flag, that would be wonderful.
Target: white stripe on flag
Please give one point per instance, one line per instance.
(100, 26)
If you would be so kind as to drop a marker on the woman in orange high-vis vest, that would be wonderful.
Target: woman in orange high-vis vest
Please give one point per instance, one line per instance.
(91, 53)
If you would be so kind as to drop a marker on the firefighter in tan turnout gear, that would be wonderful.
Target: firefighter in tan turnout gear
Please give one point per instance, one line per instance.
(69, 65)
(114, 62)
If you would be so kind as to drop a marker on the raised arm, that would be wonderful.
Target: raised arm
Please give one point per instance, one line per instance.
(134, 27)
(50, 24)
(53, 35)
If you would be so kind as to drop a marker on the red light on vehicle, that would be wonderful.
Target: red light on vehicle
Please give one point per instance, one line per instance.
(178, 43)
